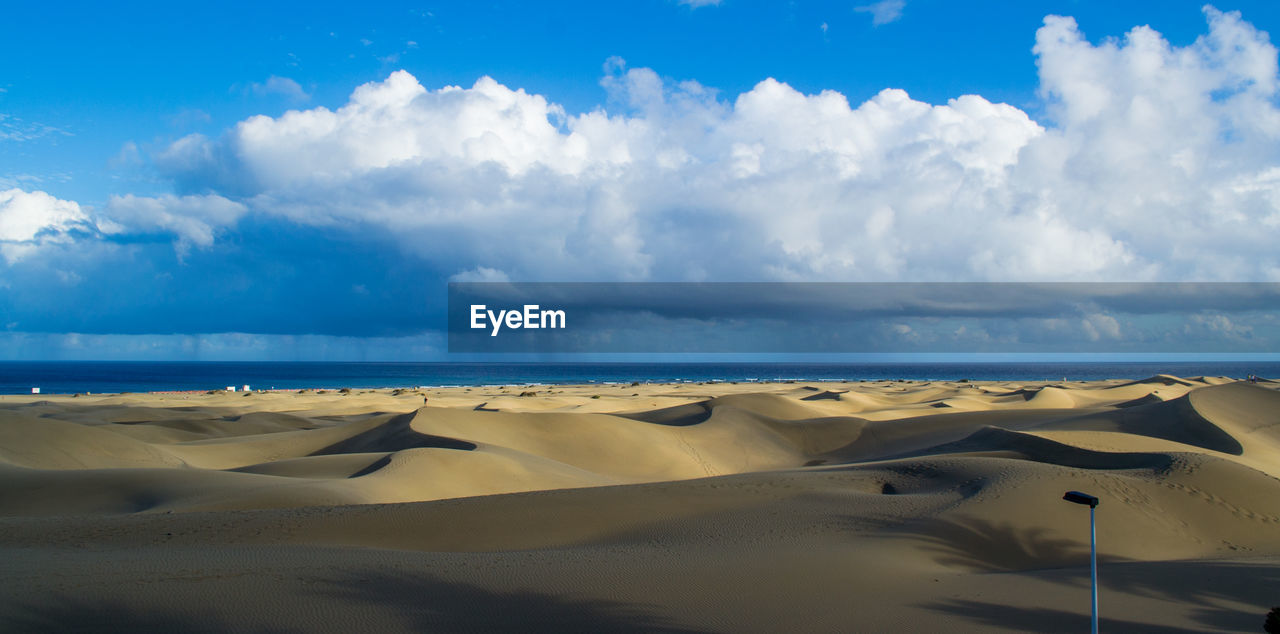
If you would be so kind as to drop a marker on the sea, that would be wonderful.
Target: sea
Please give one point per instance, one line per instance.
(71, 377)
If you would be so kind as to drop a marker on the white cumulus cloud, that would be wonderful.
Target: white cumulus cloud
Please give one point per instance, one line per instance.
(1154, 162)
(192, 219)
(31, 219)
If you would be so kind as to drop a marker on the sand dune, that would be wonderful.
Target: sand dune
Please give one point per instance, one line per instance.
(888, 506)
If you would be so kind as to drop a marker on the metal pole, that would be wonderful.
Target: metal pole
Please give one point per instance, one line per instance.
(1093, 566)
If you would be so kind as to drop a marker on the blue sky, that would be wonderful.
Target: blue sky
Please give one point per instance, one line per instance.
(160, 202)
(151, 72)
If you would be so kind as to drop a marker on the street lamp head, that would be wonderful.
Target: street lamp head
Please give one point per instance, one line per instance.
(1081, 498)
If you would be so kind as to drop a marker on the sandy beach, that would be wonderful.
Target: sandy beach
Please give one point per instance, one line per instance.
(751, 507)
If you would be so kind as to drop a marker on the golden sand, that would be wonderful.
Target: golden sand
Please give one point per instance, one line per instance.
(888, 506)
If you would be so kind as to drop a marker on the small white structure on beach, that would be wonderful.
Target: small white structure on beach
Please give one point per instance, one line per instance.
(231, 388)
(246, 388)
(35, 390)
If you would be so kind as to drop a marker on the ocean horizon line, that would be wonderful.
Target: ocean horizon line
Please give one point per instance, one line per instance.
(71, 377)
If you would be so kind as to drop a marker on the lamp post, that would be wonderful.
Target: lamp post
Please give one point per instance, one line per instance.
(1092, 502)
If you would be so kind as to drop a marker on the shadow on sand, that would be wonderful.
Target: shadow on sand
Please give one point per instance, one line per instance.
(432, 605)
(985, 546)
(1041, 619)
(1215, 588)
(1213, 593)
(66, 614)
(422, 603)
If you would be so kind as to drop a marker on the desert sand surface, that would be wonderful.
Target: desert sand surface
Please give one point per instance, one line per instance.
(887, 506)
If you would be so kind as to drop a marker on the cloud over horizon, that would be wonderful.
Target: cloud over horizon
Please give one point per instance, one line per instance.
(1153, 162)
